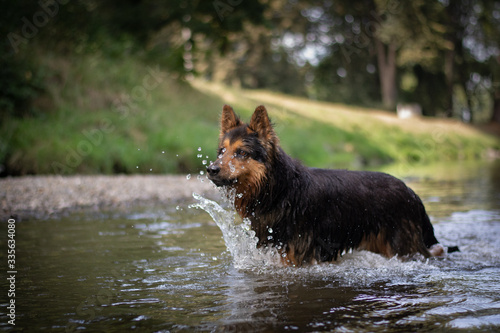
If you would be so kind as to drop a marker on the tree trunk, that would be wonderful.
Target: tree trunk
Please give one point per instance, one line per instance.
(468, 100)
(495, 117)
(387, 73)
(453, 53)
(449, 72)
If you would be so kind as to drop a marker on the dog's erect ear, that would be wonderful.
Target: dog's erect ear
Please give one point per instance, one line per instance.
(261, 124)
(229, 120)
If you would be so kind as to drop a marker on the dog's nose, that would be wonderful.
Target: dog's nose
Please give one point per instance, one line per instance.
(213, 169)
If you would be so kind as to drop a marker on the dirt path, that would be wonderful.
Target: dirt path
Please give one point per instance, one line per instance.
(50, 196)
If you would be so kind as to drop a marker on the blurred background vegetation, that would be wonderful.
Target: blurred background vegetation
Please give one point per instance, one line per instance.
(136, 86)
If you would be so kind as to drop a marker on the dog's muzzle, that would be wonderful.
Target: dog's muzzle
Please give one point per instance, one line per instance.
(213, 171)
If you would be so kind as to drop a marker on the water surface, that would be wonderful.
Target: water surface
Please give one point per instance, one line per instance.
(165, 269)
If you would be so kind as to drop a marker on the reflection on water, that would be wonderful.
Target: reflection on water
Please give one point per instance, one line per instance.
(168, 270)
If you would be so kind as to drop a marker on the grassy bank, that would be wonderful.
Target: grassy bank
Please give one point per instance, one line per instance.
(334, 135)
(119, 116)
(123, 116)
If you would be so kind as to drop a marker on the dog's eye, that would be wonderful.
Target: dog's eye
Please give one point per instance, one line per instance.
(221, 151)
(241, 153)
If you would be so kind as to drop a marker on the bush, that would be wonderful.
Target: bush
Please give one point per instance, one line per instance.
(21, 83)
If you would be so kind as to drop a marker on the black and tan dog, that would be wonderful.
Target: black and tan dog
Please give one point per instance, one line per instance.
(314, 215)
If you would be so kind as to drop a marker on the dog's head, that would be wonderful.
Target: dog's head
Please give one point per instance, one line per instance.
(245, 150)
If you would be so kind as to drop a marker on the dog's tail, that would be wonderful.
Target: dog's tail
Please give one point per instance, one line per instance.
(438, 250)
(430, 240)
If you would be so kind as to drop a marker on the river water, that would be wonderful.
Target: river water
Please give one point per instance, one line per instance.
(168, 269)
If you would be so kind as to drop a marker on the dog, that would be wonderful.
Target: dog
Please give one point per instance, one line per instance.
(315, 215)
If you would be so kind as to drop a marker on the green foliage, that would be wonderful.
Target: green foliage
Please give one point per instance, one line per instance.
(105, 121)
(338, 80)
(329, 147)
(21, 83)
(96, 89)
(261, 44)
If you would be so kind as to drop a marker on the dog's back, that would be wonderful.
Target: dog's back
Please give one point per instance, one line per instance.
(369, 210)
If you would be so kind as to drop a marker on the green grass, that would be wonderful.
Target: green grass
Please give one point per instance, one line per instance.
(113, 116)
(108, 120)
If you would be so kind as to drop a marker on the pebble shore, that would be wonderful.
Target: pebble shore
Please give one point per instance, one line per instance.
(50, 196)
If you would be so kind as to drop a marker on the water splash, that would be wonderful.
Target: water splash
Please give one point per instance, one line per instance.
(239, 238)
(354, 268)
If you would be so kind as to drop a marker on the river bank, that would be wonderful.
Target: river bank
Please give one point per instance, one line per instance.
(51, 196)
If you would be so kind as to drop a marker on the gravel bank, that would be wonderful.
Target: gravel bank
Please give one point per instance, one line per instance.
(50, 196)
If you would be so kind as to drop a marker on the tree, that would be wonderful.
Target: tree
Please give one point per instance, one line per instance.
(366, 29)
(488, 36)
(386, 59)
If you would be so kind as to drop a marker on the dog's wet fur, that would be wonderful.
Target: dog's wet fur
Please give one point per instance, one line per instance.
(314, 215)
